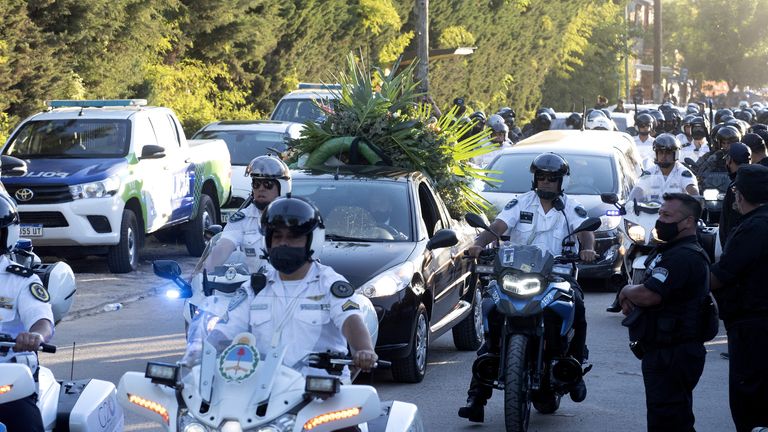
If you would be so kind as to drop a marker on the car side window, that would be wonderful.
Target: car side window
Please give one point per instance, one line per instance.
(144, 134)
(430, 213)
(626, 173)
(165, 129)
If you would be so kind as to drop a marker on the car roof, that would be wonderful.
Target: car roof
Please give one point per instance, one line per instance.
(575, 141)
(252, 125)
(311, 94)
(357, 172)
(94, 112)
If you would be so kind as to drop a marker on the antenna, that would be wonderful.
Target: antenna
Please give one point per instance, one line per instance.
(72, 364)
(583, 114)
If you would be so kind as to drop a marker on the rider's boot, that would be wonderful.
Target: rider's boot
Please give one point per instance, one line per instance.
(615, 306)
(579, 391)
(475, 409)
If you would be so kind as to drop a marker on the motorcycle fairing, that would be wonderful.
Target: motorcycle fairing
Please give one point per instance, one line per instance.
(557, 296)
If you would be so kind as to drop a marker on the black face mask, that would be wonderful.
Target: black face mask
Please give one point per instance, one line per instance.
(547, 195)
(286, 259)
(667, 231)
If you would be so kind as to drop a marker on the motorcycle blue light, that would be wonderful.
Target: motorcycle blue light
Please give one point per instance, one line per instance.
(612, 212)
(172, 294)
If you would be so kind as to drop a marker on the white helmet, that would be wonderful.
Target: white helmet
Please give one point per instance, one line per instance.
(497, 124)
(271, 168)
(599, 123)
(9, 223)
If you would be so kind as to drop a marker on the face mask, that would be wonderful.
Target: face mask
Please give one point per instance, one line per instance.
(667, 231)
(260, 205)
(546, 194)
(286, 259)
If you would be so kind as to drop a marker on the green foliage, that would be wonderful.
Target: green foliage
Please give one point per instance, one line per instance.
(393, 49)
(382, 108)
(378, 15)
(455, 36)
(720, 40)
(191, 89)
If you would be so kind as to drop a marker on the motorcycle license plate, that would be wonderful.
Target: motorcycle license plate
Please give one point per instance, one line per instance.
(31, 230)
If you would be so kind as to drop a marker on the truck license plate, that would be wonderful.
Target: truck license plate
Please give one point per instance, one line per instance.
(31, 230)
(225, 216)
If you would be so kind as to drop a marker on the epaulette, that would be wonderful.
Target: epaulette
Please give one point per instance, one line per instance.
(19, 270)
(581, 211)
(510, 204)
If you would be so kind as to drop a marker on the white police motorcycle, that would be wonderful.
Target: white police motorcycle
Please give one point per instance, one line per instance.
(78, 406)
(226, 384)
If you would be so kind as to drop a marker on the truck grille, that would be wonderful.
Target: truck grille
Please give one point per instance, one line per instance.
(47, 194)
(48, 219)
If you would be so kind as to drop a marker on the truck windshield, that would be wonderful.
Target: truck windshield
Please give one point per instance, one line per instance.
(71, 138)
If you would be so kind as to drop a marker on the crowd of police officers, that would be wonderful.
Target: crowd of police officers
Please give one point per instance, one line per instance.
(671, 314)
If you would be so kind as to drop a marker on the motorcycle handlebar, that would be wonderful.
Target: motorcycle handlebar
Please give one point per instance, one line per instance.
(8, 342)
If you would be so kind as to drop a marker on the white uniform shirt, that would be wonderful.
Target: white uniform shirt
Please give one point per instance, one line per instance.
(690, 151)
(19, 309)
(676, 182)
(245, 233)
(530, 225)
(645, 148)
(306, 317)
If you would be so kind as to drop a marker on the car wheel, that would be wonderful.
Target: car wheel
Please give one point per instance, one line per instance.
(124, 256)
(194, 235)
(412, 368)
(468, 334)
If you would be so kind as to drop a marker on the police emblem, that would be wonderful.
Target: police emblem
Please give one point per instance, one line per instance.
(510, 204)
(39, 292)
(238, 362)
(342, 289)
(236, 216)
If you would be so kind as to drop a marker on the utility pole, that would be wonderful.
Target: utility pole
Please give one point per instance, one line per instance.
(422, 44)
(657, 93)
(626, 53)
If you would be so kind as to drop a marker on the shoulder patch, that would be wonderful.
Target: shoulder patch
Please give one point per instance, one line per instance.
(342, 289)
(580, 211)
(236, 216)
(19, 270)
(660, 274)
(510, 204)
(39, 292)
(645, 173)
(350, 305)
(687, 173)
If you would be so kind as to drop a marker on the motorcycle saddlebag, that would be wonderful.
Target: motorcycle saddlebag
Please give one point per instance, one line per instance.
(88, 405)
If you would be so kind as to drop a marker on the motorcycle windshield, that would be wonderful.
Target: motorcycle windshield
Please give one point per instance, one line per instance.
(648, 193)
(715, 180)
(236, 257)
(526, 259)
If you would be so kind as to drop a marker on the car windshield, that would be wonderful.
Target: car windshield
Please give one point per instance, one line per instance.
(298, 111)
(71, 138)
(590, 175)
(360, 211)
(244, 145)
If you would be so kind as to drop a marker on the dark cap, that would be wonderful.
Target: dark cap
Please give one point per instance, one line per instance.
(763, 134)
(754, 141)
(752, 182)
(739, 153)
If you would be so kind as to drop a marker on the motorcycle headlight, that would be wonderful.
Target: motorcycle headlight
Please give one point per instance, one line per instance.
(98, 189)
(520, 284)
(188, 423)
(389, 282)
(282, 424)
(635, 232)
(710, 194)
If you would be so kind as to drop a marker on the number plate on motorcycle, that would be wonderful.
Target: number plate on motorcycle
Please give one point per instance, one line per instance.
(31, 230)
(507, 256)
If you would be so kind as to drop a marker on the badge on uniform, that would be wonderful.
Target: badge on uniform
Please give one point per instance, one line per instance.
(350, 305)
(39, 292)
(6, 303)
(236, 216)
(342, 289)
(526, 217)
(580, 211)
(250, 252)
(510, 204)
(660, 274)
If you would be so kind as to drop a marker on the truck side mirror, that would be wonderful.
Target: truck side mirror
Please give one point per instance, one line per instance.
(152, 151)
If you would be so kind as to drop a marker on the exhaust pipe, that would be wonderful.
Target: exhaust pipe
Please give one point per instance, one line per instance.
(566, 370)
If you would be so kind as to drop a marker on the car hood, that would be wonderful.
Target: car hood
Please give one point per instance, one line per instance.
(359, 262)
(68, 171)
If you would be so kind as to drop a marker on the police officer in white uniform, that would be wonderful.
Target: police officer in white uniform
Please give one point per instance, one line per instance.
(499, 139)
(534, 219)
(302, 304)
(25, 314)
(673, 176)
(270, 178)
(645, 123)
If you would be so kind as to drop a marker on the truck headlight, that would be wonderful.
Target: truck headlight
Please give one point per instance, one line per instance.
(635, 232)
(98, 189)
(389, 282)
(520, 285)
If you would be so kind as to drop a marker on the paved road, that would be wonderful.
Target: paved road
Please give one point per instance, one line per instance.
(150, 327)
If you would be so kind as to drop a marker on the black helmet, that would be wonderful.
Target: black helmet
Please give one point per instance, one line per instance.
(727, 135)
(479, 117)
(300, 217)
(573, 121)
(658, 125)
(667, 142)
(744, 115)
(671, 119)
(551, 164)
(509, 116)
(739, 125)
(271, 168)
(762, 116)
(699, 127)
(9, 223)
(720, 113)
(645, 119)
(543, 121)
(688, 119)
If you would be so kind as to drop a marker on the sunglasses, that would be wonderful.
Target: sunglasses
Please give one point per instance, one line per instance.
(266, 184)
(552, 178)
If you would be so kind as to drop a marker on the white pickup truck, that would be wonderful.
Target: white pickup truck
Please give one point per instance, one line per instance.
(102, 174)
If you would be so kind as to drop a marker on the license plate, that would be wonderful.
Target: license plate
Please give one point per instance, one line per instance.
(225, 216)
(31, 230)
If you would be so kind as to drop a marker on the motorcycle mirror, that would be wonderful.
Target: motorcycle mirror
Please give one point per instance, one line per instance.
(443, 238)
(476, 221)
(609, 198)
(689, 161)
(12, 166)
(166, 269)
(589, 224)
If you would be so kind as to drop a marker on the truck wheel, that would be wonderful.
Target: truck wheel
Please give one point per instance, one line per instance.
(194, 233)
(124, 256)
(412, 368)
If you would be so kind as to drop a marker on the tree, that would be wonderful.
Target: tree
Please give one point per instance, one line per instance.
(720, 40)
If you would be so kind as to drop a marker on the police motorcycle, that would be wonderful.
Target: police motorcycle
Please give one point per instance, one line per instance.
(78, 406)
(224, 384)
(530, 287)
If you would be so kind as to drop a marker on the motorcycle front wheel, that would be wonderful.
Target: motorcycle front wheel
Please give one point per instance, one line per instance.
(517, 385)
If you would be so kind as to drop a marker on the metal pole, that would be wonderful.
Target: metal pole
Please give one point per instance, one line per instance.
(657, 92)
(422, 45)
(626, 53)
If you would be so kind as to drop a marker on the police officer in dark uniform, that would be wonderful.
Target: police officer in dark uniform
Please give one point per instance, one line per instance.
(738, 155)
(738, 283)
(664, 319)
